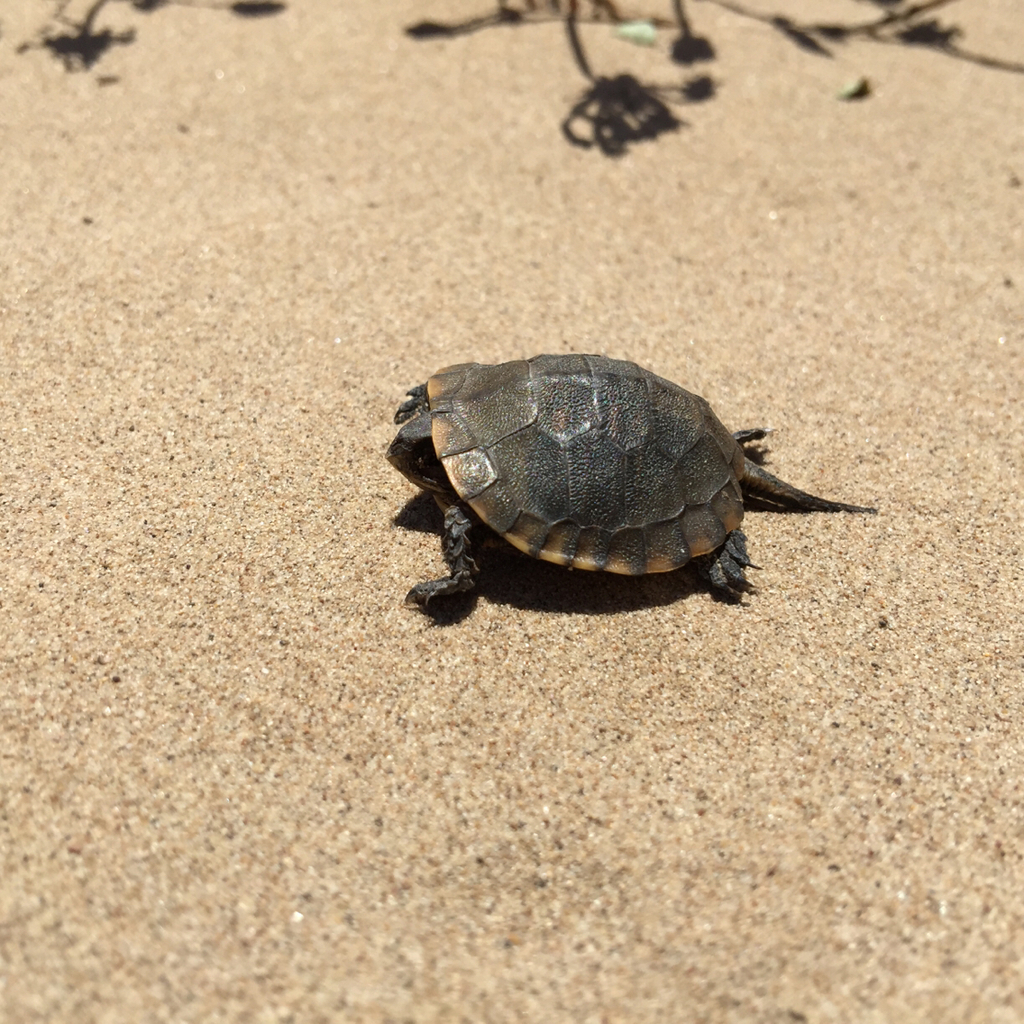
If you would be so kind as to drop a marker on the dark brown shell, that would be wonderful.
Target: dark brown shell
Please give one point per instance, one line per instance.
(587, 461)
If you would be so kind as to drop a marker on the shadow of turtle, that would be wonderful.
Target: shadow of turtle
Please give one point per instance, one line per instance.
(421, 514)
(508, 577)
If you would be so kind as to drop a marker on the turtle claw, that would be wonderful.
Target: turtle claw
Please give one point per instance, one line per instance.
(724, 568)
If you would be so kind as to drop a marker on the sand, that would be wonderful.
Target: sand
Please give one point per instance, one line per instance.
(241, 782)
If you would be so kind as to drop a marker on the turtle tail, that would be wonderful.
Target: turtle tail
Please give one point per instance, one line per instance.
(759, 483)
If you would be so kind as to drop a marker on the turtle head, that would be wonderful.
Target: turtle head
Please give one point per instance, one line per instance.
(412, 454)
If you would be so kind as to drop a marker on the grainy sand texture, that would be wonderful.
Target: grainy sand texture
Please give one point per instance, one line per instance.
(240, 782)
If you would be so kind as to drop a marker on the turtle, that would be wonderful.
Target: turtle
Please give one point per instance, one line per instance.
(586, 461)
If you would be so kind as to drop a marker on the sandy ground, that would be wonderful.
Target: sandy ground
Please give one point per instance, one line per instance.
(239, 781)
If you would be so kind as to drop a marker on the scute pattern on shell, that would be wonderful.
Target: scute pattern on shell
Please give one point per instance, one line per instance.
(588, 461)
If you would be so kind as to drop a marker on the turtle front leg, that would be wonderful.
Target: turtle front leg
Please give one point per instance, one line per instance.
(416, 403)
(456, 549)
(724, 568)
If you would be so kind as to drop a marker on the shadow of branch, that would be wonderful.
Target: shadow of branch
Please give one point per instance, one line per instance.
(79, 44)
(615, 112)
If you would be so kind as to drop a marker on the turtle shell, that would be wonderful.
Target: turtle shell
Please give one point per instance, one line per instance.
(586, 461)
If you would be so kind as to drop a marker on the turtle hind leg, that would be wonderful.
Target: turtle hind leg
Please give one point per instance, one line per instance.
(757, 481)
(456, 549)
(724, 568)
(752, 434)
